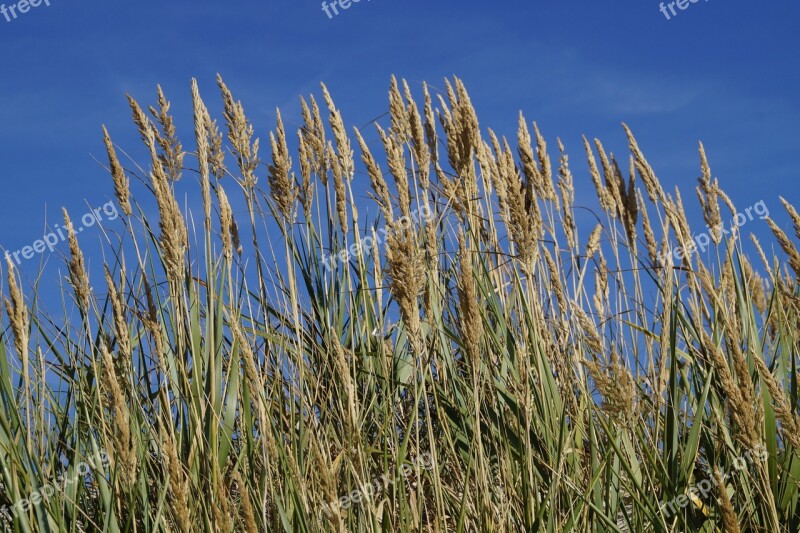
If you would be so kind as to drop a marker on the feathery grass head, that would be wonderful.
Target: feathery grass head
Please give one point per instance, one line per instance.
(121, 330)
(471, 323)
(240, 135)
(344, 152)
(123, 454)
(379, 185)
(78, 278)
(281, 184)
(121, 183)
(729, 519)
(17, 313)
(404, 269)
(171, 149)
(228, 230)
(396, 161)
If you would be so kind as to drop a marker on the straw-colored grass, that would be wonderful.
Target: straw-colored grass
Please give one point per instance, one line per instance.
(254, 359)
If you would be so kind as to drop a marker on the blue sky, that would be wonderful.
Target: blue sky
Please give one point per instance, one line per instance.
(724, 72)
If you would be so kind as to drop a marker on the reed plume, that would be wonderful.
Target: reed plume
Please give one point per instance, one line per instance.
(78, 278)
(281, 184)
(121, 182)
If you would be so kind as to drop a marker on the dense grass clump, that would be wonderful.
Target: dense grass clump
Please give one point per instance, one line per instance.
(461, 352)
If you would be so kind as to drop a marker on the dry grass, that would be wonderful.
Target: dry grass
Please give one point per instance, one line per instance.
(558, 375)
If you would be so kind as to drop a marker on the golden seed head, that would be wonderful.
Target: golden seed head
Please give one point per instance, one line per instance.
(121, 183)
(121, 330)
(460, 123)
(606, 198)
(338, 185)
(247, 512)
(649, 234)
(784, 412)
(548, 189)
(379, 185)
(431, 137)
(78, 278)
(793, 214)
(707, 193)
(401, 129)
(630, 206)
(526, 156)
(282, 187)
(171, 149)
(470, 318)
(226, 223)
(567, 189)
(589, 331)
(617, 387)
(741, 407)
(556, 287)
(343, 149)
(306, 189)
(405, 270)
(124, 452)
(787, 245)
(216, 156)
(396, 161)
(174, 236)
(601, 296)
(521, 213)
(419, 144)
(201, 138)
(240, 135)
(18, 314)
(142, 122)
(730, 521)
(178, 483)
(654, 190)
(221, 503)
(593, 245)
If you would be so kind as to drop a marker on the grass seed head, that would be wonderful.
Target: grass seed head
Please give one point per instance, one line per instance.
(121, 182)
(282, 187)
(78, 278)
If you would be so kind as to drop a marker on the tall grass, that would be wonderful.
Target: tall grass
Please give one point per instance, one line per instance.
(255, 357)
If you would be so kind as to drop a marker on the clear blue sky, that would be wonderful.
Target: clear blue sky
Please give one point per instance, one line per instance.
(722, 71)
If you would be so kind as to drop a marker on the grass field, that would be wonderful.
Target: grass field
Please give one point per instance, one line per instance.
(473, 359)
